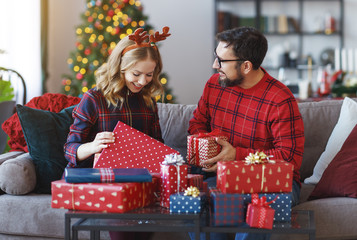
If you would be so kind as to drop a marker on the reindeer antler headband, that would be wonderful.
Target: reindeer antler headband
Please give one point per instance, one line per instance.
(139, 37)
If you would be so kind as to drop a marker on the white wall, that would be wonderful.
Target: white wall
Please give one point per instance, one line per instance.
(187, 54)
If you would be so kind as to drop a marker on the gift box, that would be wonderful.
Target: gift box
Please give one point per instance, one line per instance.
(240, 177)
(101, 197)
(280, 202)
(226, 209)
(133, 149)
(260, 214)
(195, 180)
(173, 179)
(180, 203)
(107, 175)
(203, 146)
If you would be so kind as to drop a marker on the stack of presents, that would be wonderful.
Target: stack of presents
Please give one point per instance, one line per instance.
(138, 171)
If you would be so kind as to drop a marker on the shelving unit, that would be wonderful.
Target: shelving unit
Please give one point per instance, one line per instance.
(258, 18)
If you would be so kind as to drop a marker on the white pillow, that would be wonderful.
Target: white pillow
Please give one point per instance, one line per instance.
(346, 122)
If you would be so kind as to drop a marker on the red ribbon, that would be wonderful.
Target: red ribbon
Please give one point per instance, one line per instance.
(261, 202)
(107, 175)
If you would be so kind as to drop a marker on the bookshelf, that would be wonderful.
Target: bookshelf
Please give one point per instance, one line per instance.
(289, 21)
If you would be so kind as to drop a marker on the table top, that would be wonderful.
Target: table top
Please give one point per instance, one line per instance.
(302, 221)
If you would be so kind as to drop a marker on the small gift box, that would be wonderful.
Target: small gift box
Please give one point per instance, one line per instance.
(280, 202)
(97, 175)
(260, 214)
(133, 149)
(252, 177)
(203, 146)
(102, 197)
(226, 209)
(173, 177)
(192, 201)
(195, 180)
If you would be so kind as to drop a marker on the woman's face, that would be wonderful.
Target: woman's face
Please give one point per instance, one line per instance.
(140, 75)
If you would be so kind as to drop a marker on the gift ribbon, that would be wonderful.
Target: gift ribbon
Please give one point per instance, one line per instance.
(106, 175)
(192, 191)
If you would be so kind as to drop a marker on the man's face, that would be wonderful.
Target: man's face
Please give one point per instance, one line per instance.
(229, 73)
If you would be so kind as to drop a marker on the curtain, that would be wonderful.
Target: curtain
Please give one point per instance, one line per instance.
(20, 38)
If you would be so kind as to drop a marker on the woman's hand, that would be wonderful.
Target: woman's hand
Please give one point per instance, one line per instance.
(100, 142)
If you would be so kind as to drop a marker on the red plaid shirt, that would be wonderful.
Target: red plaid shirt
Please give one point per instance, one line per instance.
(92, 115)
(263, 118)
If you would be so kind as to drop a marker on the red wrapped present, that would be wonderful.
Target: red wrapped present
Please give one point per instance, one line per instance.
(203, 146)
(259, 213)
(102, 197)
(173, 178)
(245, 177)
(133, 149)
(195, 180)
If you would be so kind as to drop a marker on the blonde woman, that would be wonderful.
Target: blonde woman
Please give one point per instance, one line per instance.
(125, 90)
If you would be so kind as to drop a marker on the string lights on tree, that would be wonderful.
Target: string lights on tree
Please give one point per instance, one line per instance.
(105, 22)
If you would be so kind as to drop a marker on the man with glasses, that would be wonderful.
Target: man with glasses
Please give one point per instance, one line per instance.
(255, 111)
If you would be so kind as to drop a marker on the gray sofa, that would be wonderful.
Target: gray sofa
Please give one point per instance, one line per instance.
(30, 216)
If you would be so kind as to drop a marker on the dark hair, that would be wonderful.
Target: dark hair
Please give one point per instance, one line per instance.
(248, 43)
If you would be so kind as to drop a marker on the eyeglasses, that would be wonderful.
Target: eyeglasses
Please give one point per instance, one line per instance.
(221, 60)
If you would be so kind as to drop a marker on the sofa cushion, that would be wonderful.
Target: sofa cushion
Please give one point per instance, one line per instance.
(339, 178)
(17, 175)
(346, 122)
(45, 134)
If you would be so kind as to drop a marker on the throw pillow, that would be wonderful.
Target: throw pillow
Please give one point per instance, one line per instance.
(339, 178)
(45, 134)
(346, 122)
(18, 175)
(53, 102)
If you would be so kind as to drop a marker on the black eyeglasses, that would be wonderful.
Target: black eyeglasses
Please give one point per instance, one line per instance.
(221, 60)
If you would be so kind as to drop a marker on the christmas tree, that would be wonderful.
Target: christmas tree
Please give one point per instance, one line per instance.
(105, 22)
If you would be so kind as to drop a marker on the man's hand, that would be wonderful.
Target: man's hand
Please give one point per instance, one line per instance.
(228, 153)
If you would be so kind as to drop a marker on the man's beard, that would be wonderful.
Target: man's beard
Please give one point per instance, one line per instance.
(226, 82)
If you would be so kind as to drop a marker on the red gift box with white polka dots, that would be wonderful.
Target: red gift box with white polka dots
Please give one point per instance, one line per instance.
(133, 149)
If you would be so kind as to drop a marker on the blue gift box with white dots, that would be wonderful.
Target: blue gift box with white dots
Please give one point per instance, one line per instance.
(179, 203)
(282, 205)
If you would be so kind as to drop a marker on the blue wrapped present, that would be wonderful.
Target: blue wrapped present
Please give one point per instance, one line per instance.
(226, 209)
(179, 203)
(107, 175)
(281, 205)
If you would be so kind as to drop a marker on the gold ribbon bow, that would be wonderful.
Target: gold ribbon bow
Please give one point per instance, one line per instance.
(258, 158)
(192, 191)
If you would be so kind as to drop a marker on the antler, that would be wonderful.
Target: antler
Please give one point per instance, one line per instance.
(139, 36)
(159, 37)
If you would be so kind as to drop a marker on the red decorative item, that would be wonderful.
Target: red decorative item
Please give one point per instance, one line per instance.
(203, 146)
(259, 213)
(240, 177)
(173, 180)
(53, 102)
(133, 149)
(101, 197)
(195, 180)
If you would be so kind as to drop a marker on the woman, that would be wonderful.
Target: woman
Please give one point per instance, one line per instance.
(125, 90)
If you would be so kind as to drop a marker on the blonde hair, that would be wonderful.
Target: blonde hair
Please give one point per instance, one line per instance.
(110, 76)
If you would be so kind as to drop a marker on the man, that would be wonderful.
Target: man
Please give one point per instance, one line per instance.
(255, 111)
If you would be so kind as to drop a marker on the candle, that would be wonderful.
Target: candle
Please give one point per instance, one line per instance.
(350, 60)
(337, 59)
(343, 60)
